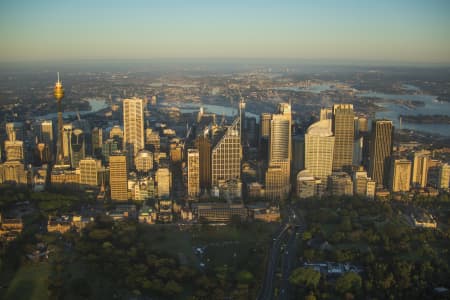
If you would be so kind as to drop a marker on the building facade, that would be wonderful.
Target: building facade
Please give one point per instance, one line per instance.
(344, 134)
(381, 151)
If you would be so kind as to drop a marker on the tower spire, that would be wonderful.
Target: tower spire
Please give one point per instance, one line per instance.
(58, 92)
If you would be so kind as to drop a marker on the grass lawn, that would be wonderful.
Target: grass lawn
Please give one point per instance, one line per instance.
(29, 282)
(221, 241)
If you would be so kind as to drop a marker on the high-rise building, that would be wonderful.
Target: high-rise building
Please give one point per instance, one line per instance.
(116, 133)
(163, 182)
(58, 92)
(275, 183)
(420, 168)
(307, 185)
(280, 144)
(226, 156)
(133, 123)
(401, 175)
(251, 130)
(108, 148)
(298, 154)
(97, 141)
(193, 182)
(14, 131)
(77, 147)
(45, 136)
(203, 145)
(67, 138)
(319, 146)
(326, 113)
(444, 176)
(89, 171)
(13, 172)
(242, 123)
(143, 161)
(344, 133)
(118, 177)
(46, 132)
(340, 184)
(381, 151)
(264, 134)
(358, 147)
(363, 185)
(361, 125)
(14, 150)
(152, 142)
(264, 126)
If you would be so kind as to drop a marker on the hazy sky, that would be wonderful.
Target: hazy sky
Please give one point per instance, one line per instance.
(359, 30)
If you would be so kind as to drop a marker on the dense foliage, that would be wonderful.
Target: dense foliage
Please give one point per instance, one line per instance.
(398, 260)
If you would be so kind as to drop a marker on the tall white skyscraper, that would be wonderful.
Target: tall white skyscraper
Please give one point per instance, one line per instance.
(280, 144)
(133, 122)
(319, 147)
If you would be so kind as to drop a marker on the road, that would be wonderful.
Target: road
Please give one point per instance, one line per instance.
(288, 234)
(266, 292)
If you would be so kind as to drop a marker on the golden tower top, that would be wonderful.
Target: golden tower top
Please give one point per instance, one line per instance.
(58, 91)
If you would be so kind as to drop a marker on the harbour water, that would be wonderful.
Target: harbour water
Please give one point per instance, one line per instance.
(95, 103)
(393, 110)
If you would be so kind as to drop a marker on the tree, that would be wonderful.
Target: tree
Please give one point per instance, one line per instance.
(349, 282)
(172, 288)
(244, 277)
(305, 276)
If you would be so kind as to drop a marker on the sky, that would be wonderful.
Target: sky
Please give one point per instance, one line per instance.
(416, 31)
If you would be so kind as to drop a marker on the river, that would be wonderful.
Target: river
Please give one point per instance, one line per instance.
(95, 103)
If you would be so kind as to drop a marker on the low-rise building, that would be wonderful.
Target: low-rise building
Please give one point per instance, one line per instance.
(59, 224)
(219, 212)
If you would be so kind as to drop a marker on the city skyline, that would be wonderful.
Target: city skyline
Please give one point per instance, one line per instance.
(389, 31)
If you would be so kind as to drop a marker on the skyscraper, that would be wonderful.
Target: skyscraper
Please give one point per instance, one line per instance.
(133, 122)
(152, 142)
(226, 156)
(326, 113)
(89, 172)
(118, 177)
(275, 183)
(319, 147)
(420, 168)
(264, 134)
(143, 162)
(203, 145)
(58, 92)
(280, 143)
(193, 184)
(14, 131)
(97, 141)
(344, 133)
(77, 147)
(363, 185)
(264, 126)
(400, 175)
(444, 176)
(67, 137)
(46, 136)
(14, 150)
(163, 182)
(381, 151)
